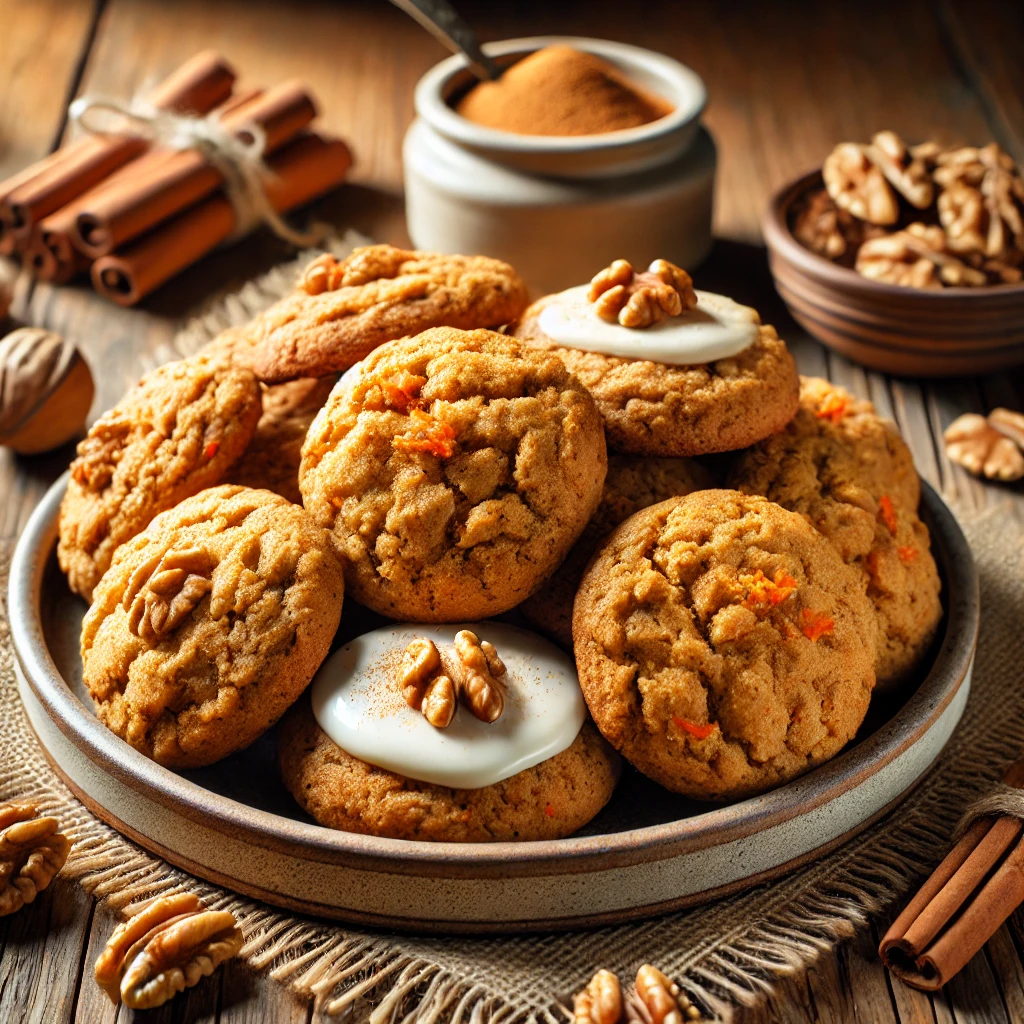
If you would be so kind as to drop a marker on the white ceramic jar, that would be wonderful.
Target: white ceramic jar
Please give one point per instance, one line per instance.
(560, 208)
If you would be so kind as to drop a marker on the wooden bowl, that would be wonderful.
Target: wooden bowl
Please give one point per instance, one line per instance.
(909, 331)
(649, 851)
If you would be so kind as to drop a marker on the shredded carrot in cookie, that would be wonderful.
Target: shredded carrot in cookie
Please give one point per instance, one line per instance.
(815, 625)
(549, 811)
(426, 434)
(763, 592)
(907, 553)
(211, 449)
(402, 391)
(888, 513)
(701, 732)
(833, 408)
(871, 561)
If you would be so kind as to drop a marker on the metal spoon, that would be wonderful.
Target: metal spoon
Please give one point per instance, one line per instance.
(445, 23)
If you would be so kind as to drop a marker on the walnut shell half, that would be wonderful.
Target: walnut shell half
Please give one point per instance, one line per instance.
(45, 390)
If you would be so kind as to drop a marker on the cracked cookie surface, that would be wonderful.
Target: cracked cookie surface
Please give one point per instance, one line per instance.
(275, 451)
(631, 484)
(455, 470)
(848, 471)
(656, 409)
(722, 645)
(376, 294)
(548, 801)
(210, 623)
(179, 430)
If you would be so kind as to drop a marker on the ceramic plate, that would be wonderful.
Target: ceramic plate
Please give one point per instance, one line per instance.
(648, 851)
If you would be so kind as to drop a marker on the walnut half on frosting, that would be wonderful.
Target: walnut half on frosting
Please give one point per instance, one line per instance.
(622, 295)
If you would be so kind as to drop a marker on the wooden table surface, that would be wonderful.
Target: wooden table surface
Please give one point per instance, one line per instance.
(786, 82)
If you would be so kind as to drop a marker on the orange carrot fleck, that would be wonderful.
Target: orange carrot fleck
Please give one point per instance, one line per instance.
(402, 391)
(549, 811)
(888, 513)
(833, 408)
(211, 449)
(701, 732)
(763, 591)
(815, 625)
(426, 433)
(907, 553)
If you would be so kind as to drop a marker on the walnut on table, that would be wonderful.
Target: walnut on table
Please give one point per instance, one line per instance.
(985, 449)
(32, 851)
(636, 300)
(600, 1002)
(167, 947)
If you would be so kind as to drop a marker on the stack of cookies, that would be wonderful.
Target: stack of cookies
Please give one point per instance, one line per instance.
(405, 429)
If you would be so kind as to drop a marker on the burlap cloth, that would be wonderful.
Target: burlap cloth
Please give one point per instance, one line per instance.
(723, 954)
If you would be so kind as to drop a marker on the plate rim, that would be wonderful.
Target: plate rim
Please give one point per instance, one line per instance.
(712, 828)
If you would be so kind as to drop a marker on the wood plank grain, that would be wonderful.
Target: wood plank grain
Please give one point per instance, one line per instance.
(42, 956)
(41, 44)
(250, 998)
(1008, 970)
(974, 994)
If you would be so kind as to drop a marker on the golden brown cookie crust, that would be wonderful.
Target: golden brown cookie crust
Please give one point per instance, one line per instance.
(383, 293)
(723, 646)
(551, 800)
(656, 409)
(632, 483)
(179, 430)
(848, 471)
(210, 623)
(454, 498)
(275, 452)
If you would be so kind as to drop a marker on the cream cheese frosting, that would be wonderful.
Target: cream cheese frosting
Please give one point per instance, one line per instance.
(357, 700)
(717, 329)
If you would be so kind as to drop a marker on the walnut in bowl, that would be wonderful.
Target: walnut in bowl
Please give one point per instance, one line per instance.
(887, 256)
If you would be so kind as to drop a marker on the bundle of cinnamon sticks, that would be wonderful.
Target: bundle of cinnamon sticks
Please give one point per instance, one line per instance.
(969, 895)
(135, 213)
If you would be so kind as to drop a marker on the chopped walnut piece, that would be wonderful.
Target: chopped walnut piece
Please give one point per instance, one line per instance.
(662, 1001)
(164, 949)
(439, 702)
(482, 670)
(915, 257)
(420, 663)
(165, 590)
(824, 228)
(974, 443)
(32, 851)
(1010, 423)
(639, 300)
(600, 1002)
(905, 171)
(989, 177)
(857, 184)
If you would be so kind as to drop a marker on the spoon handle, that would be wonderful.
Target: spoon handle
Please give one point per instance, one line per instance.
(442, 20)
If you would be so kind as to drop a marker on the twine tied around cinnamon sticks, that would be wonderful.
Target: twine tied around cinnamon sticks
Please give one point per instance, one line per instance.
(970, 894)
(237, 156)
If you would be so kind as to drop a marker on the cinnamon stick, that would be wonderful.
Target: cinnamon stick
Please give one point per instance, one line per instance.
(140, 201)
(196, 87)
(302, 170)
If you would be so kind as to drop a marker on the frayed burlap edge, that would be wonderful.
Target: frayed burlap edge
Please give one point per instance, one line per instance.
(726, 954)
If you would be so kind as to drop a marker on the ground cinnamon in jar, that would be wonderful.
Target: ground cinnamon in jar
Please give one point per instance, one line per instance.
(561, 91)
